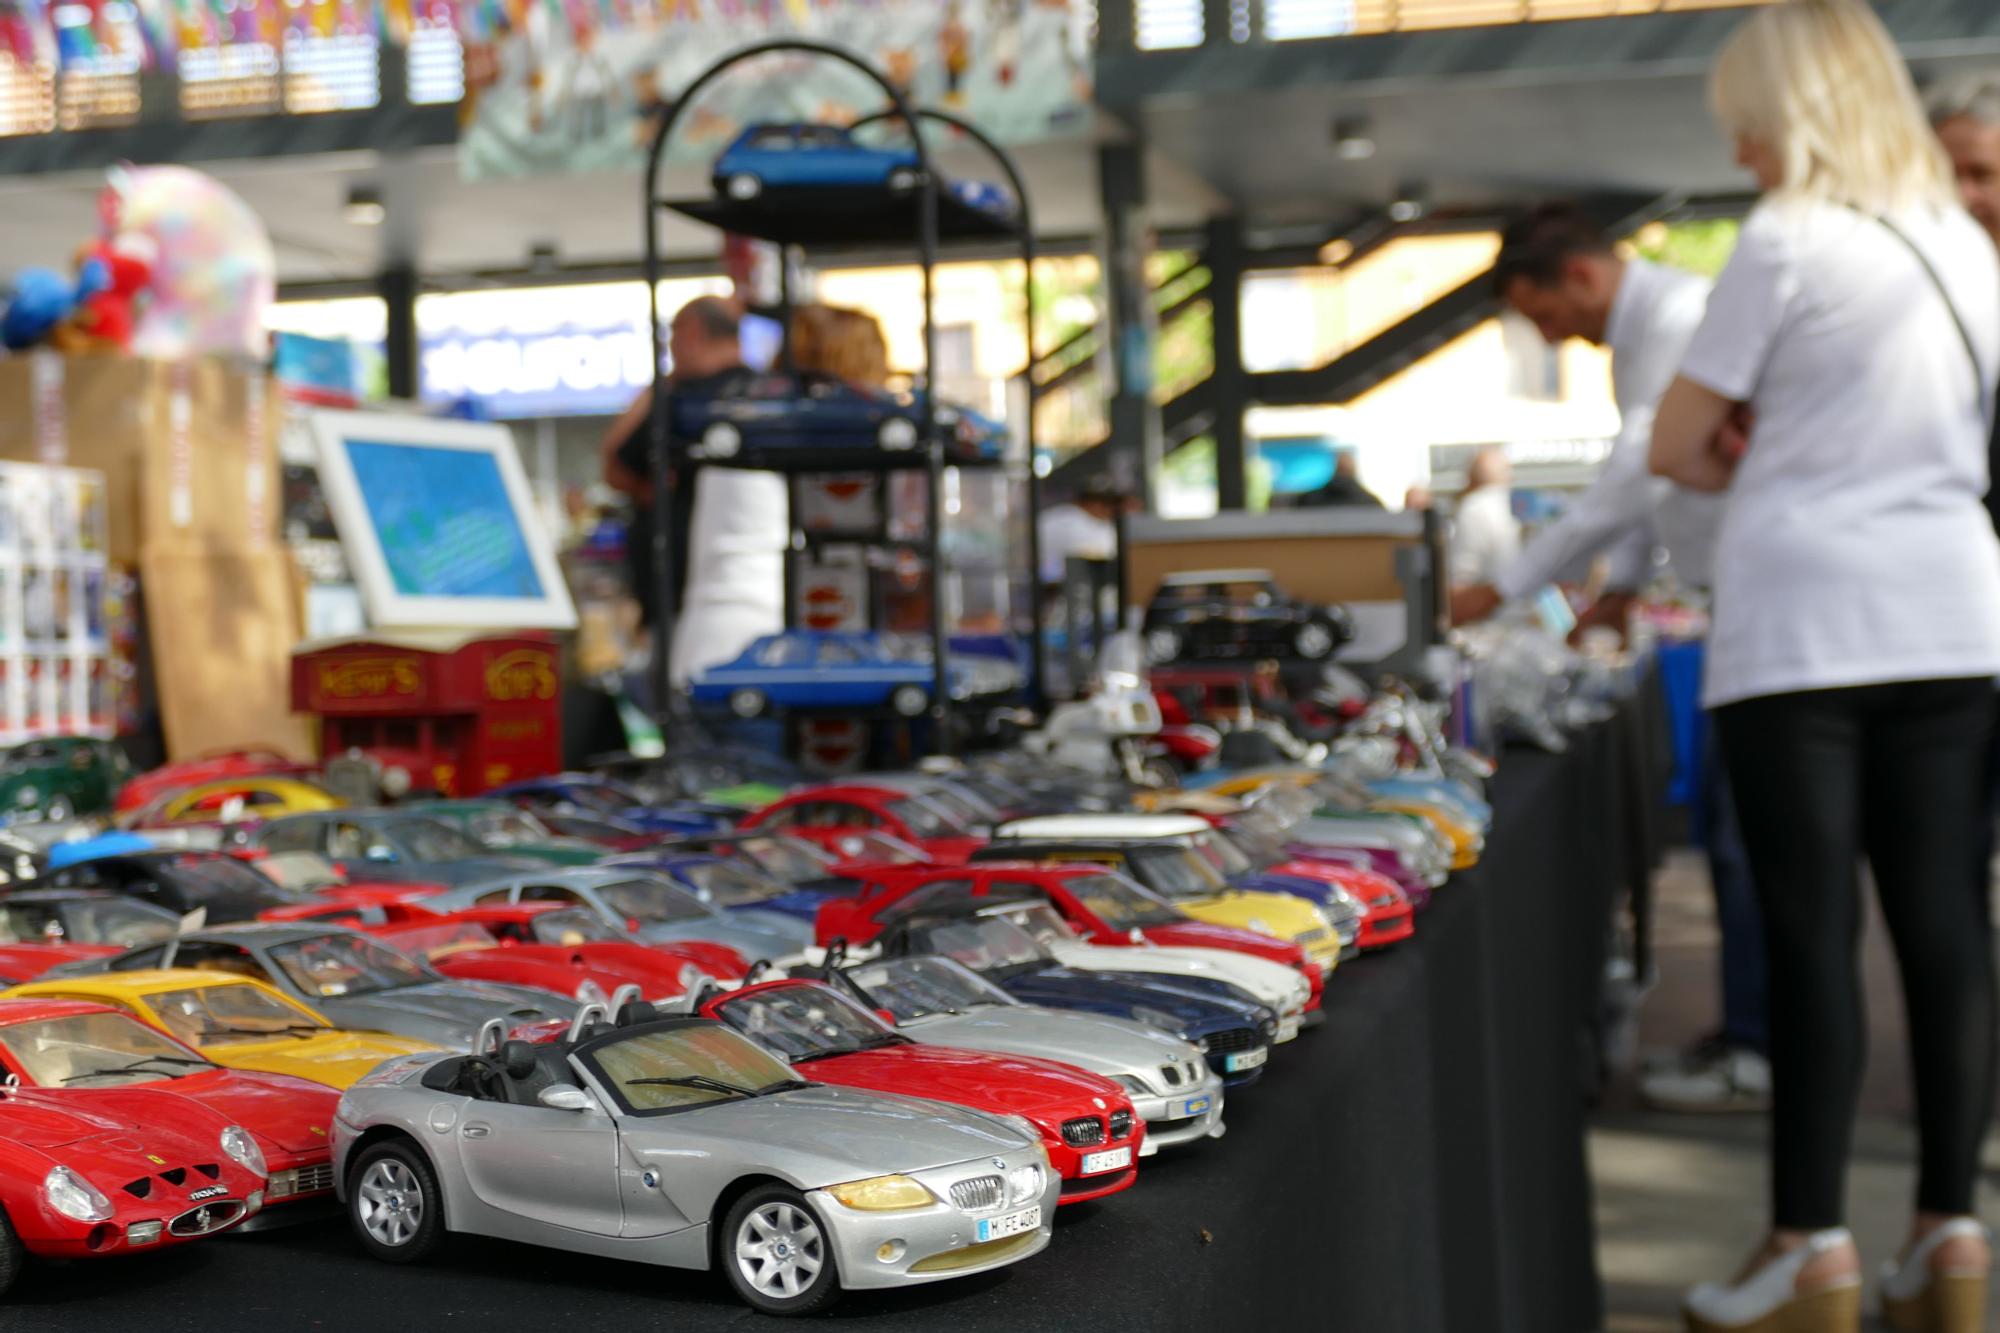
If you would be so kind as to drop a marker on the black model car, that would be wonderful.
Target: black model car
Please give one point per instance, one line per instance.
(222, 887)
(1238, 614)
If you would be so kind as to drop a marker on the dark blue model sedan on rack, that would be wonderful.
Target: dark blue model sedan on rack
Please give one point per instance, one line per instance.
(816, 414)
(842, 669)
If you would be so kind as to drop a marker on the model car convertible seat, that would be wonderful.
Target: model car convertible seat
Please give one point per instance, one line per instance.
(634, 1012)
(526, 1073)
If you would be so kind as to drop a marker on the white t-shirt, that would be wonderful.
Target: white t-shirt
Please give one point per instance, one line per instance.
(1854, 549)
(1485, 535)
(736, 567)
(1067, 530)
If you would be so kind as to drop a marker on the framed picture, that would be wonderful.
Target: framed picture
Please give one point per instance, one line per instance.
(438, 524)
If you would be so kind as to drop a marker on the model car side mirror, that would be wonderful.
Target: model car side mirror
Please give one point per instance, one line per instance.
(886, 1016)
(566, 1097)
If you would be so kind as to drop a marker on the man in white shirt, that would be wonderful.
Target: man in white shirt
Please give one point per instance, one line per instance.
(1086, 530)
(1559, 270)
(1485, 535)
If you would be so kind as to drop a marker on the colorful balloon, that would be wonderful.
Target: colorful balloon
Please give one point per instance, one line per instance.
(213, 274)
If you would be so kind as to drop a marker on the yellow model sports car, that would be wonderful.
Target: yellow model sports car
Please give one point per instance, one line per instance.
(232, 800)
(1466, 841)
(234, 1021)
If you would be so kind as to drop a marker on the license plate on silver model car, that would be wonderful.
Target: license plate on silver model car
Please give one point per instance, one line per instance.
(1243, 1060)
(1288, 1028)
(1111, 1159)
(1193, 1106)
(1013, 1224)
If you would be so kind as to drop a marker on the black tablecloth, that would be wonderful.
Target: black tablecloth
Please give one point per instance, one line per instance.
(1416, 1163)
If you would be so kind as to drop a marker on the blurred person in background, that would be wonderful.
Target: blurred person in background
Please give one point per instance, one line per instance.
(1485, 535)
(1560, 271)
(1345, 488)
(736, 522)
(837, 341)
(1838, 391)
(1084, 530)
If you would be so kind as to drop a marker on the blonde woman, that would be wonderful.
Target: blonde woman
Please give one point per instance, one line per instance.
(1838, 392)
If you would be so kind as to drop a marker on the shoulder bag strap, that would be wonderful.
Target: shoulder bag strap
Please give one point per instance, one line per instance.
(1986, 407)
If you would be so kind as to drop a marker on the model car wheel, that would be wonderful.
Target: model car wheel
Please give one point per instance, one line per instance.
(721, 440)
(57, 810)
(743, 187)
(395, 1203)
(1164, 645)
(903, 180)
(12, 1254)
(909, 700)
(746, 703)
(1312, 640)
(778, 1256)
(897, 434)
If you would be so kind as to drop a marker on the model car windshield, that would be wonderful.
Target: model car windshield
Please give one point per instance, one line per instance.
(86, 921)
(506, 828)
(301, 872)
(1119, 903)
(95, 1050)
(216, 1015)
(654, 900)
(984, 944)
(968, 812)
(924, 819)
(1176, 872)
(428, 840)
(787, 858)
(333, 965)
(913, 988)
(880, 849)
(439, 941)
(806, 1022)
(1043, 922)
(225, 885)
(1223, 854)
(652, 1070)
(734, 883)
(572, 926)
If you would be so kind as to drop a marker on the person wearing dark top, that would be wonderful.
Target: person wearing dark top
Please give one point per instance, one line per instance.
(704, 348)
(1344, 489)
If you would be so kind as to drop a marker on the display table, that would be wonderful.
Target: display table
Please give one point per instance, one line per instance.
(1416, 1163)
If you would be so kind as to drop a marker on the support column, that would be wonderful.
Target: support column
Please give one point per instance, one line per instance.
(1129, 322)
(1222, 252)
(397, 285)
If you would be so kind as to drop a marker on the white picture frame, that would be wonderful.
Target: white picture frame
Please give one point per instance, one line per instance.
(355, 512)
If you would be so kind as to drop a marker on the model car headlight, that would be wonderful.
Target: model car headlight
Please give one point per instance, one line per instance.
(73, 1196)
(243, 1150)
(1132, 1084)
(1156, 1018)
(1258, 923)
(883, 1194)
(1201, 1044)
(1029, 1131)
(1023, 1184)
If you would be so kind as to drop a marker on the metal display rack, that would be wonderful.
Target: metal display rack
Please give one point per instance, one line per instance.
(834, 218)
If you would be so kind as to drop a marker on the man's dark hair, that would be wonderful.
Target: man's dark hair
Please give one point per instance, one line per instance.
(715, 317)
(1536, 245)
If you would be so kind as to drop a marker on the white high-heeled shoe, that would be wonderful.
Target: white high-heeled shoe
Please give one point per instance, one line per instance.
(1918, 1298)
(1769, 1301)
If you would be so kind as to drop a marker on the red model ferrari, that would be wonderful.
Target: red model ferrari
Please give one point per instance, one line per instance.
(1085, 1122)
(150, 786)
(103, 1061)
(25, 962)
(555, 946)
(838, 815)
(1102, 906)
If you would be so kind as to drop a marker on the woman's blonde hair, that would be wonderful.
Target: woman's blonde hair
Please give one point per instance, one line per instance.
(1822, 84)
(835, 340)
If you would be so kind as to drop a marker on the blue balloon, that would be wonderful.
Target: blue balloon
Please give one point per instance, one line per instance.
(43, 298)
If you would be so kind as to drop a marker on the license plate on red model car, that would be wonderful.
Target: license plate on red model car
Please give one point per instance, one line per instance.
(1193, 1106)
(1111, 1159)
(1013, 1224)
(1243, 1060)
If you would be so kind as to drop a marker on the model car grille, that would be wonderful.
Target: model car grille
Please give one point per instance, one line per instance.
(173, 1175)
(299, 1180)
(1311, 937)
(1182, 1075)
(1121, 1124)
(1233, 1039)
(979, 1194)
(207, 1218)
(1083, 1131)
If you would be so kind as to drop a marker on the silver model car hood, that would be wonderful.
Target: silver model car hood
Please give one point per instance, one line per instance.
(796, 1131)
(1101, 1044)
(751, 943)
(442, 1011)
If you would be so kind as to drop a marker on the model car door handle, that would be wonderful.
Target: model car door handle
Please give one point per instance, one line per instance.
(477, 1131)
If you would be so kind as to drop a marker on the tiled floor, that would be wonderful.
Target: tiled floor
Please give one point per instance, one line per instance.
(1681, 1198)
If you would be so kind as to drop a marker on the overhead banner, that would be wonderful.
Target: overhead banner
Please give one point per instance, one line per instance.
(578, 87)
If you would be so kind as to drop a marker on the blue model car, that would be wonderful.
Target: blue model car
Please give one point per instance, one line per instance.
(604, 798)
(839, 669)
(821, 414)
(742, 892)
(801, 870)
(1234, 1032)
(779, 156)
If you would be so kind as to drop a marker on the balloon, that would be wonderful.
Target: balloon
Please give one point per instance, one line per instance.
(213, 274)
(43, 299)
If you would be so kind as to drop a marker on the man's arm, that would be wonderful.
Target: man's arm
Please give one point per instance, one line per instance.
(617, 474)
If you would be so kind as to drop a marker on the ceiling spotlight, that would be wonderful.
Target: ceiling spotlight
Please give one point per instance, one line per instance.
(1336, 252)
(364, 206)
(1352, 140)
(1408, 205)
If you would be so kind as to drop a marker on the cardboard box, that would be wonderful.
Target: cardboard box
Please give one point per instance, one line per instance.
(188, 448)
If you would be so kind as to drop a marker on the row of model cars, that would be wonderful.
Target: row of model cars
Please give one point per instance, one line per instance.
(849, 1034)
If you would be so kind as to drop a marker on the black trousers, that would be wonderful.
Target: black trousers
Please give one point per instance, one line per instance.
(1897, 773)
